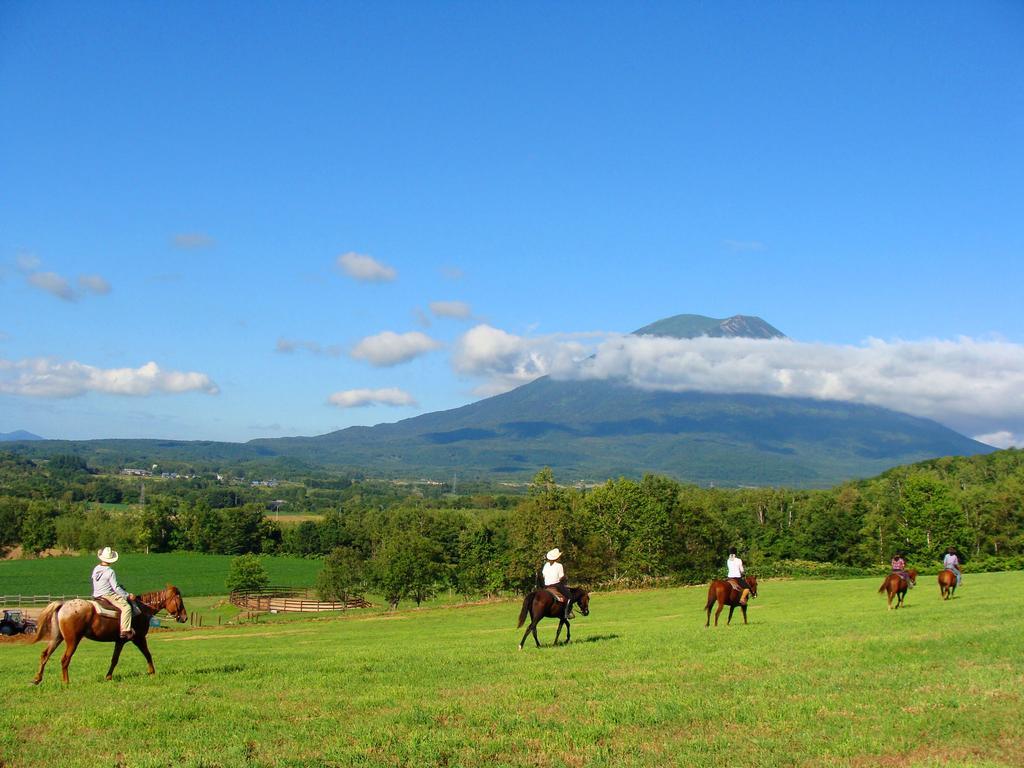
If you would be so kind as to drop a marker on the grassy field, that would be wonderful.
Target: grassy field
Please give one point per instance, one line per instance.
(193, 574)
(824, 675)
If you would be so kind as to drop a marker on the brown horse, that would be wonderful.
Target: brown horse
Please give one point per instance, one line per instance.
(72, 620)
(724, 593)
(896, 585)
(541, 603)
(947, 584)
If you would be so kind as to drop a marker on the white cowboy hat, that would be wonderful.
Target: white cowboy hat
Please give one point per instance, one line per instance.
(554, 554)
(107, 555)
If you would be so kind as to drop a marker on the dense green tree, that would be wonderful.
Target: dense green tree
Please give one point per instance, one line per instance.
(246, 572)
(407, 565)
(38, 528)
(343, 574)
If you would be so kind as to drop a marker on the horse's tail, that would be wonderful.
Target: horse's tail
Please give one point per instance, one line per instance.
(526, 608)
(47, 621)
(712, 596)
(885, 583)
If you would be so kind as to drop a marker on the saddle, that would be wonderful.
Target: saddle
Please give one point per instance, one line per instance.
(735, 584)
(555, 594)
(106, 608)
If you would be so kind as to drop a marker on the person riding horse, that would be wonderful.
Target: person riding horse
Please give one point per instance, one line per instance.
(555, 578)
(899, 567)
(736, 573)
(104, 584)
(951, 562)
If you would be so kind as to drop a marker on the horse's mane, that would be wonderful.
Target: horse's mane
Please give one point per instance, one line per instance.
(150, 598)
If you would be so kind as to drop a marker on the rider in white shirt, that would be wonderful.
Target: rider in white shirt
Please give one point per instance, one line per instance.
(104, 584)
(952, 563)
(736, 571)
(554, 577)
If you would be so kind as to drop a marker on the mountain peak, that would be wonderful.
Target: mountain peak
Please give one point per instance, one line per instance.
(694, 326)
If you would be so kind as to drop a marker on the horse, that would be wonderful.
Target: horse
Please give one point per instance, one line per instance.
(541, 603)
(895, 584)
(947, 584)
(724, 593)
(71, 620)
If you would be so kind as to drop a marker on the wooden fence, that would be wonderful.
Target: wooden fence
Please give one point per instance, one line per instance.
(291, 599)
(32, 601)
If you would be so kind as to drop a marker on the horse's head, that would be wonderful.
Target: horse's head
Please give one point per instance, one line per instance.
(175, 604)
(583, 601)
(752, 582)
(913, 576)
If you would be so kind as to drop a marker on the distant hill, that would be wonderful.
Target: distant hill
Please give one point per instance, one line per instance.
(593, 430)
(18, 435)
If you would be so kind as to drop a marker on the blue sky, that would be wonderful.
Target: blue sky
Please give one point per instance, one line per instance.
(184, 185)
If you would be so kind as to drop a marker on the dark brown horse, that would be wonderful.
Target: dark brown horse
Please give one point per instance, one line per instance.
(947, 583)
(724, 593)
(541, 603)
(896, 586)
(70, 621)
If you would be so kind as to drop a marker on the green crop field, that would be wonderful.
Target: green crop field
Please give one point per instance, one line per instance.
(823, 675)
(192, 573)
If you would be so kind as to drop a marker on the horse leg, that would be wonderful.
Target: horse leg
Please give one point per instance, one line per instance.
(561, 621)
(729, 620)
(707, 609)
(568, 632)
(118, 645)
(142, 645)
(65, 660)
(45, 656)
(744, 609)
(721, 605)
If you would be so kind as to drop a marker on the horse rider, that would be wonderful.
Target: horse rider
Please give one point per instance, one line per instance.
(735, 575)
(952, 563)
(899, 567)
(104, 584)
(555, 578)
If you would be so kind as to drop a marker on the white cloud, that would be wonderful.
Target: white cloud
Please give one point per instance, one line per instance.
(365, 268)
(288, 346)
(45, 377)
(390, 348)
(458, 309)
(58, 285)
(974, 386)
(508, 361)
(94, 284)
(1001, 439)
(192, 240)
(356, 398)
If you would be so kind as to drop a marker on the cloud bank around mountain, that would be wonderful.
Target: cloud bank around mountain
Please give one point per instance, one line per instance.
(45, 377)
(974, 386)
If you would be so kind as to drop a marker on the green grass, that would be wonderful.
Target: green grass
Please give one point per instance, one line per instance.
(823, 675)
(193, 574)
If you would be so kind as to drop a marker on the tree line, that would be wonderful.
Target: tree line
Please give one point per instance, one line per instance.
(626, 531)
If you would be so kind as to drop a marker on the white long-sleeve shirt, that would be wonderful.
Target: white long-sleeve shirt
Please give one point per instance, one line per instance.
(735, 566)
(104, 582)
(553, 573)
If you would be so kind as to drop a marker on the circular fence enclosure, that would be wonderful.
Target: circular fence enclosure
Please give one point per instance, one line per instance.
(291, 600)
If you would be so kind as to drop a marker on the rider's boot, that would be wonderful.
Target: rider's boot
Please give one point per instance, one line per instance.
(569, 615)
(744, 597)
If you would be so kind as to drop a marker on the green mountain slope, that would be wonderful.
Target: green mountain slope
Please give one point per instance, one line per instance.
(594, 430)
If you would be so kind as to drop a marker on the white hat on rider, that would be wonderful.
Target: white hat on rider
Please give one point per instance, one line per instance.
(554, 554)
(107, 555)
